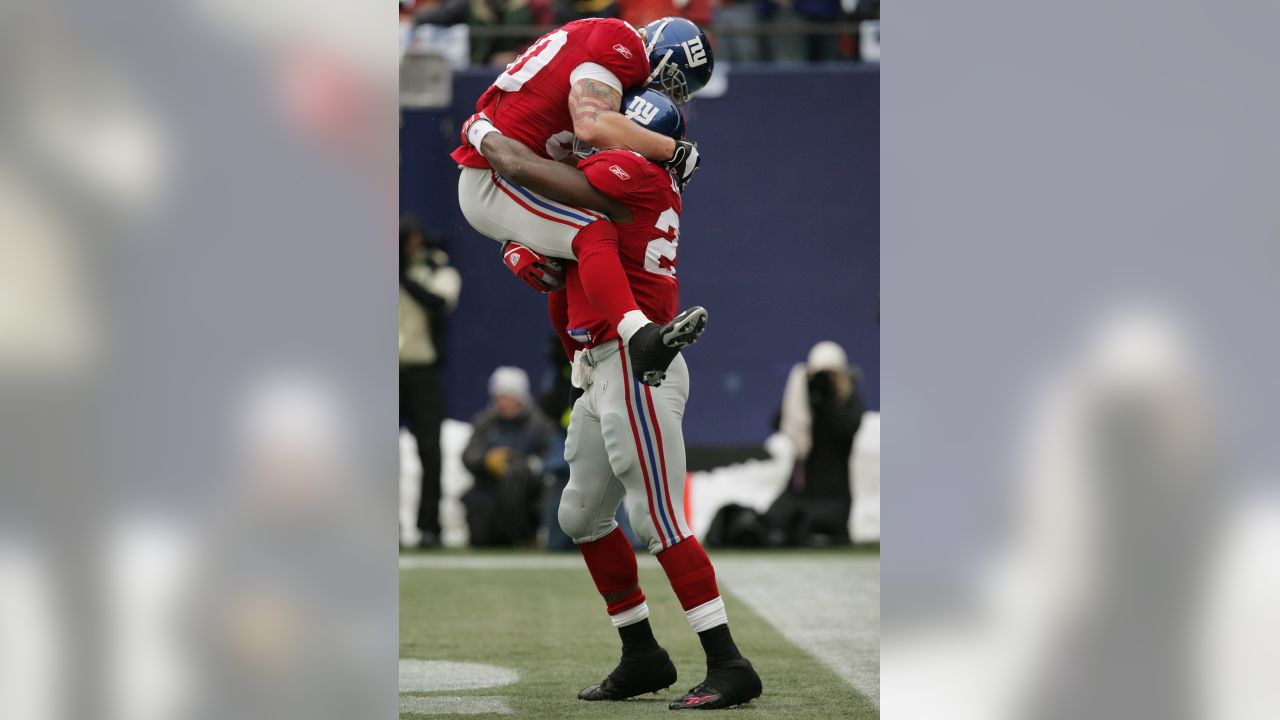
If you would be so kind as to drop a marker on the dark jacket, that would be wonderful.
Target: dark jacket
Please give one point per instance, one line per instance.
(528, 435)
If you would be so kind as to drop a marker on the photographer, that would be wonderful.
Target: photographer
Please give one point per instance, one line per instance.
(429, 290)
(821, 412)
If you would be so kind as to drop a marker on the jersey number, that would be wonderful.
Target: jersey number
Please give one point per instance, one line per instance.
(664, 247)
(531, 61)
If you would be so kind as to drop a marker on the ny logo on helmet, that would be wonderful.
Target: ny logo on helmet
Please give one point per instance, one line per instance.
(694, 52)
(641, 110)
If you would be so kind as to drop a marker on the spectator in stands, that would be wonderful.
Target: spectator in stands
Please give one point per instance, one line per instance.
(441, 12)
(429, 290)
(509, 440)
(792, 46)
(569, 10)
(489, 49)
(643, 12)
(741, 16)
(821, 412)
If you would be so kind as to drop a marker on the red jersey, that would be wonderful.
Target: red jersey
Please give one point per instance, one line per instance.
(530, 100)
(647, 245)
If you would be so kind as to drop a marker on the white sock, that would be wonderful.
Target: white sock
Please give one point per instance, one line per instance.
(631, 616)
(630, 323)
(707, 615)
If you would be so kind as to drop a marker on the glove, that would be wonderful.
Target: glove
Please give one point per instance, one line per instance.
(542, 273)
(684, 162)
(498, 461)
(474, 130)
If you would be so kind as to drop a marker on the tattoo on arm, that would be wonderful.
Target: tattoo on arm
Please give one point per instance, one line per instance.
(589, 98)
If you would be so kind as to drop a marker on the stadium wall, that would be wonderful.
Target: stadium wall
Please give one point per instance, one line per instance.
(779, 240)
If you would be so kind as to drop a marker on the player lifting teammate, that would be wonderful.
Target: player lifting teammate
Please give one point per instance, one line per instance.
(625, 439)
(568, 85)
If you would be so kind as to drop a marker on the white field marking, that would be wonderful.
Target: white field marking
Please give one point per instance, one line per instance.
(436, 705)
(438, 675)
(828, 606)
(504, 562)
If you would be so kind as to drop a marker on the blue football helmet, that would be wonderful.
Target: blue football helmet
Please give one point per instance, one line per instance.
(649, 109)
(680, 58)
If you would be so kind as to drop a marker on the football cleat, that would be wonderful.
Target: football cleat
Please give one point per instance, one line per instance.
(732, 683)
(636, 674)
(654, 347)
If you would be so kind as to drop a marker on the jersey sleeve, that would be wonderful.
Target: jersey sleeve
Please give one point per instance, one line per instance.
(617, 47)
(622, 175)
(595, 71)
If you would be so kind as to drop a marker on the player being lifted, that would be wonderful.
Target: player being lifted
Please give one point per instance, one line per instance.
(568, 85)
(625, 439)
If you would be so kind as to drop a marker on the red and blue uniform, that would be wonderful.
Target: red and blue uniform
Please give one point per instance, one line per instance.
(647, 245)
(529, 101)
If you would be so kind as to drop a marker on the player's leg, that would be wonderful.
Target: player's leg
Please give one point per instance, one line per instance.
(524, 221)
(509, 213)
(644, 436)
(587, 513)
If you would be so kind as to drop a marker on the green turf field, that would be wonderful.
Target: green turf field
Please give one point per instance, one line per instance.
(549, 625)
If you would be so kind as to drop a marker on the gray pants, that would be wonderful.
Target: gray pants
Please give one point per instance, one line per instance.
(625, 441)
(505, 211)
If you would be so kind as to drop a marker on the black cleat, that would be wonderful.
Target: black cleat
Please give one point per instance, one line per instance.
(636, 674)
(733, 683)
(653, 347)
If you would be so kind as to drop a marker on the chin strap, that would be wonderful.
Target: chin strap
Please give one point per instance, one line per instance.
(653, 41)
(657, 72)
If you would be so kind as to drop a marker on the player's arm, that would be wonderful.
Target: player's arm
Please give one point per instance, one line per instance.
(594, 107)
(549, 178)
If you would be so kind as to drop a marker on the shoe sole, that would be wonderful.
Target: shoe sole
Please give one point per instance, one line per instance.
(686, 328)
(756, 692)
(669, 680)
(619, 698)
(710, 706)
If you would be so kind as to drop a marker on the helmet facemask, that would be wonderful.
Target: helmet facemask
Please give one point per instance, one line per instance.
(668, 78)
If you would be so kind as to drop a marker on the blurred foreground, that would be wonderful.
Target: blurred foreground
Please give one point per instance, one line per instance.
(192, 197)
(1080, 235)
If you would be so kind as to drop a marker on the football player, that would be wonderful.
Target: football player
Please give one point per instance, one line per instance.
(625, 439)
(568, 86)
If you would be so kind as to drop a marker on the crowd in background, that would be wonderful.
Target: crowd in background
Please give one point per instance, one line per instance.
(784, 31)
(515, 454)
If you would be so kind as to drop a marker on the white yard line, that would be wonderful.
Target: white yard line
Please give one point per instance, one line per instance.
(828, 606)
(439, 675)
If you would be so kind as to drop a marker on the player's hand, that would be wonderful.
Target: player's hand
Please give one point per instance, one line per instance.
(475, 128)
(541, 273)
(684, 162)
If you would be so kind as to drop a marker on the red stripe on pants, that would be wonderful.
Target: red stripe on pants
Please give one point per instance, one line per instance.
(635, 433)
